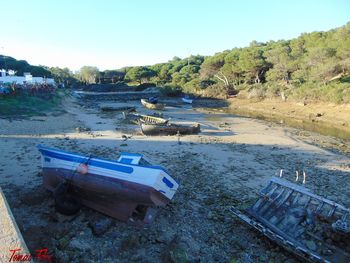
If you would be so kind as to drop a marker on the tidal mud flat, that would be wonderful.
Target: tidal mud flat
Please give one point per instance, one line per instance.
(323, 118)
(223, 166)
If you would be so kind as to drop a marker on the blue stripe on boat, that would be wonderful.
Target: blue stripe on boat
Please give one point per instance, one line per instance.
(82, 159)
(78, 159)
(167, 182)
(126, 160)
(131, 154)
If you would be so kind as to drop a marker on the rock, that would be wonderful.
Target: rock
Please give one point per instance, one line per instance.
(54, 216)
(139, 255)
(33, 198)
(82, 129)
(77, 244)
(61, 257)
(63, 242)
(130, 242)
(101, 226)
(165, 237)
(177, 255)
(311, 245)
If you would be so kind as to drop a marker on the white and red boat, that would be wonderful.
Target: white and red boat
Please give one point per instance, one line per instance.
(126, 189)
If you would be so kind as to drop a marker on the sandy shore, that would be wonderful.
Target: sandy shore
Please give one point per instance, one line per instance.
(223, 166)
(325, 118)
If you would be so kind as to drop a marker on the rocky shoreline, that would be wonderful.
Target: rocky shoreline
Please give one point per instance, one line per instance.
(225, 165)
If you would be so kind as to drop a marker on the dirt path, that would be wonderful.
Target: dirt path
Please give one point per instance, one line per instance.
(223, 166)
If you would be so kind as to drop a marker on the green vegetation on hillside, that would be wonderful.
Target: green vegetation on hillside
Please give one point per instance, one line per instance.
(315, 66)
(22, 66)
(24, 105)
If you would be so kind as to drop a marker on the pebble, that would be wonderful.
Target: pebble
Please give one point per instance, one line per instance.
(311, 245)
(101, 226)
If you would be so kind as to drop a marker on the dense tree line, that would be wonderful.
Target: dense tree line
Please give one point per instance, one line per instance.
(314, 66)
(22, 66)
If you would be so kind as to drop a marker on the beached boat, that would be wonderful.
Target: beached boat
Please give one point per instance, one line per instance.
(136, 118)
(187, 100)
(117, 108)
(127, 189)
(308, 225)
(169, 129)
(148, 105)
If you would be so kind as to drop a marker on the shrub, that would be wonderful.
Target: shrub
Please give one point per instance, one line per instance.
(215, 91)
(257, 91)
(192, 87)
(144, 86)
(170, 90)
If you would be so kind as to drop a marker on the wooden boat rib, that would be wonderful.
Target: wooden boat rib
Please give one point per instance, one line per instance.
(169, 129)
(116, 188)
(148, 105)
(310, 226)
(136, 118)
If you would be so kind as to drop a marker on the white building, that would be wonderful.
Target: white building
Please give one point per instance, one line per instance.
(27, 78)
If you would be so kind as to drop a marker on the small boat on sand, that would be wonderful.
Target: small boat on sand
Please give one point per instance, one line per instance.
(169, 129)
(187, 100)
(116, 108)
(136, 118)
(127, 189)
(155, 106)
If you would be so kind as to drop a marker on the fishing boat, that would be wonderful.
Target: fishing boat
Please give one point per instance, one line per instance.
(310, 226)
(169, 129)
(127, 189)
(187, 100)
(136, 118)
(148, 105)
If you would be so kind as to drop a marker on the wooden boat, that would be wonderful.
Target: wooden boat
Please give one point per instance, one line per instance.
(127, 189)
(187, 100)
(169, 129)
(310, 226)
(148, 105)
(136, 118)
(116, 108)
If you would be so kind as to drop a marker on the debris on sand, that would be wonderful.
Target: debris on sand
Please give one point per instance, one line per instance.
(310, 226)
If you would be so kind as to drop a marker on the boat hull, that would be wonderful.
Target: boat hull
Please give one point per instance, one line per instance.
(119, 189)
(171, 129)
(188, 101)
(151, 106)
(136, 118)
(113, 197)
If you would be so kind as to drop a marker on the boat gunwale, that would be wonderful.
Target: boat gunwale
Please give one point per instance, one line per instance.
(155, 167)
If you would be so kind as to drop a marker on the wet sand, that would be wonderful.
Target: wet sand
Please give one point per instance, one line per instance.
(225, 165)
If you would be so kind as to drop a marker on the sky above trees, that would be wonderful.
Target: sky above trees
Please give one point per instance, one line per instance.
(113, 34)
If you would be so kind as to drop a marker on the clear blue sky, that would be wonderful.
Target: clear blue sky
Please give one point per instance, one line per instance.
(112, 34)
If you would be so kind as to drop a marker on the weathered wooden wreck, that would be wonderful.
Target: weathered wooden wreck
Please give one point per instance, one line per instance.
(310, 226)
